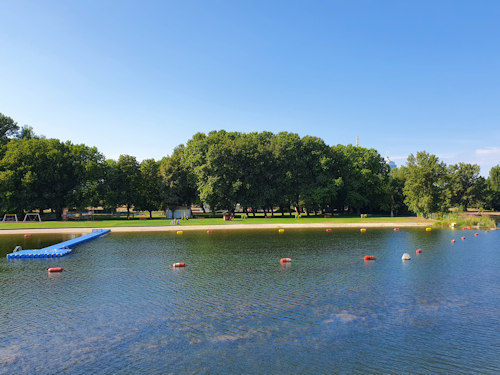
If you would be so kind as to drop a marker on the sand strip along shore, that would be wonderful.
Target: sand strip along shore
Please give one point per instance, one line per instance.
(174, 228)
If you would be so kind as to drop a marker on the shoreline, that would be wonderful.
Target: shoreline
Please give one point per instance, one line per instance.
(175, 228)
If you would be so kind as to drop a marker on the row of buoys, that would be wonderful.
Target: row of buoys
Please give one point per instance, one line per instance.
(281, 231)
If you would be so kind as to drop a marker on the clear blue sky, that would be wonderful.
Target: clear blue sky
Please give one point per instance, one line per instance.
(140, 77)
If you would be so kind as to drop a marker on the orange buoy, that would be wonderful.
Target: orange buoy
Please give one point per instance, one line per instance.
(27, 235)
(369, 257)
(328, 230)
(179, 265)
(55, 269)
(468, 226)
(475, 234)
(210, 231)
(396, 229)
(285, 260)
(452, 241)
(418, 251)
(462, 238)
(487, 231)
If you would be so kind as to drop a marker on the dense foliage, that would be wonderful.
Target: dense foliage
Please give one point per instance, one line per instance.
(258, 171)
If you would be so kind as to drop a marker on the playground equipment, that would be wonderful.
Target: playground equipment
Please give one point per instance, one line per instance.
(10, 217)
(32, 217)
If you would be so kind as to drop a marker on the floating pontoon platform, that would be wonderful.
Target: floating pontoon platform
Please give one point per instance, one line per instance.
(57, 250)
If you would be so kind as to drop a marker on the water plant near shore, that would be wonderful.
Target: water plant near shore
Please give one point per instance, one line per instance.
(464, 220)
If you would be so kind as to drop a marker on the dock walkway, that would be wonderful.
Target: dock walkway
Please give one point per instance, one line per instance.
(58, 250)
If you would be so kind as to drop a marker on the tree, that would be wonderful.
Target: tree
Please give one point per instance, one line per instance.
(424, 183)
(128, 178)
(493, 184)
(178, 183)
(395, 190)
(150, 186)
(46, 173)
(8, 128)
(26, 132)
(365, 177)
(465, 185)
(88, 173)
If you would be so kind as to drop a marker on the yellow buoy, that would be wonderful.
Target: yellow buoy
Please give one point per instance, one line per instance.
(428, 229)
(281, 231)
(363, 229)
(179, 232)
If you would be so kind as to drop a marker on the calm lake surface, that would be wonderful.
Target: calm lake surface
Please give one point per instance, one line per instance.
(120, 307)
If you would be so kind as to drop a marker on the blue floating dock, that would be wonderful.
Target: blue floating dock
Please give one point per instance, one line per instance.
(60, 249)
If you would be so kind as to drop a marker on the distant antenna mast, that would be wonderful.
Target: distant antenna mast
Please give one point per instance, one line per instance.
(357, 141)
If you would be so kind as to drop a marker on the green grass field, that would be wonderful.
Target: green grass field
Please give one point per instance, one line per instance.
(206, 221)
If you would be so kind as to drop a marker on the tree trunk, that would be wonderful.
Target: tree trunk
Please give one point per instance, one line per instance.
(150, 214)
(59, 212)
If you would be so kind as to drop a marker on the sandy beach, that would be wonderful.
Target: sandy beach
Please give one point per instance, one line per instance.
(174, 228)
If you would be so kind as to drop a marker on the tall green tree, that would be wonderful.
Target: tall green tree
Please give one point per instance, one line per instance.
(423, 189)
(129, 179)
(8, 128)
(149, 186)
(465, 185)
(365, 176)
(46, 173)
(178, 183)
(396, 185)
(493, 184)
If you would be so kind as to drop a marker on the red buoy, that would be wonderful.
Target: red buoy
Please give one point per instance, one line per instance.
(27, 235)
(452, 241)
(419, 251)
(328, 230)
(285, 260)
(475, 234)
(468, 226)
(179, 265)
(369, 257)
(396, 229)
(55, 269)
(462, 238)
(487, 231)
(210, 231)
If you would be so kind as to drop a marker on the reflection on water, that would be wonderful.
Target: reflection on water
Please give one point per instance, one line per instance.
(121, 308)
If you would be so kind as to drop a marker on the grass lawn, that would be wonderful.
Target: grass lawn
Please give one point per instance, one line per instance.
(208, 221)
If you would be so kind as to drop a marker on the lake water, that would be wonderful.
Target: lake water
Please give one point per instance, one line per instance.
(120, 307)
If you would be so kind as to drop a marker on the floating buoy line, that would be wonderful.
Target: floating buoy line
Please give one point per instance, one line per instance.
(405, 256)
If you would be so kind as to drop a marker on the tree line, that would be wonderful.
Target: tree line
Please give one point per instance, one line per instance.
(264, 171)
